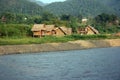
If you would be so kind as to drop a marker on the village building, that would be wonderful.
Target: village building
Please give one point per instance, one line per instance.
(89, 30)
(38, 30)
(49, 30)
(41, 30)
(117, 34)
(3, 19)
(84, 20)
(62, 31)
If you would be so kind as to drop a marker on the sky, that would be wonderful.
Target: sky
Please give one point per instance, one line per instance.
(50, 1)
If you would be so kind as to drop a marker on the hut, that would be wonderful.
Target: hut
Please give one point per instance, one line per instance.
(38, 30)
(89, 30)
(117, 34)
(50, 29)
(41, 30)
(62, 31)
(67, 31)
(3, 19)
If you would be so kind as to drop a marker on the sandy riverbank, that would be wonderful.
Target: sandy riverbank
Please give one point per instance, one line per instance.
(71, 45)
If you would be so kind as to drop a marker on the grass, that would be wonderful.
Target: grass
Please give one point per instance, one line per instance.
(87, 37)
(30, 40)
(51, 39)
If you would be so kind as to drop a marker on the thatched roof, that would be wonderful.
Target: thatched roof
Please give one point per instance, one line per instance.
(38, 27)
(49, 27)
(117, 34)
(66, 30)
(93, 29)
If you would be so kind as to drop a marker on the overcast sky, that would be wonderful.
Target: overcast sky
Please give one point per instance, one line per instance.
(49, 1)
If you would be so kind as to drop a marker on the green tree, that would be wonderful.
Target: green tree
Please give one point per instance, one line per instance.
(66, 17)
(105, 18)
(9, 17)
(47, 16)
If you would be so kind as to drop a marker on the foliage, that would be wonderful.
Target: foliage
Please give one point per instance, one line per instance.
(10, 30)
(106, 18)
(86, 8)
(106, 23)
(30, 40)
(21, 7)
(65, 17)
(87, 37)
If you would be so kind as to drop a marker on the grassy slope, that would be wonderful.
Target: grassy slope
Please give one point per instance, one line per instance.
(51, 39)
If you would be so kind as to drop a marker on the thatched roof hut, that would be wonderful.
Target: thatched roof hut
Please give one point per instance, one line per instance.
(38, 27)
(45, 30)
(95, 31)
(117, 34)
(49, 27)
(88, 30)
(67, 31)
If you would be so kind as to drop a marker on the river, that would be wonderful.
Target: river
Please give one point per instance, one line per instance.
(91, 64)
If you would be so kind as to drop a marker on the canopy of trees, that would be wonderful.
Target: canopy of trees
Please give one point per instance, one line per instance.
(85, 7)
(20, 6)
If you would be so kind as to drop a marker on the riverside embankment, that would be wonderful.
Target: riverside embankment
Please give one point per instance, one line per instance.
(71, 45)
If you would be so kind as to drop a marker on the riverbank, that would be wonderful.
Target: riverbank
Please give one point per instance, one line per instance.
(71, 45)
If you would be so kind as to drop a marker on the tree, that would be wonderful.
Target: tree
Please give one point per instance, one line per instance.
(105, 18)
(65, 17)
(47, 16)
(73, 24)
(9, 17)
(106, 23)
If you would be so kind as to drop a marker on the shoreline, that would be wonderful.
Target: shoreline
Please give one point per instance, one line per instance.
(49, 47)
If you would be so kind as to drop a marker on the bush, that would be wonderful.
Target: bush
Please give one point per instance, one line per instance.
(86, 37)
(10, 30)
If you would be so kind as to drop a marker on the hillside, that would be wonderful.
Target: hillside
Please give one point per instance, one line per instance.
(20, 6)
(38, 2)
(114, 4)
(73, 7)
(85, 7)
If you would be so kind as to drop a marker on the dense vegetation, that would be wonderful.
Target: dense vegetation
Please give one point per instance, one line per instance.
(107, 23)
(112, 4)
(38, 2)
(20, 6)
(85, 7)
(15, 30)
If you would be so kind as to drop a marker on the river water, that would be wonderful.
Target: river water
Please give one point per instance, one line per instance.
(91, 64)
